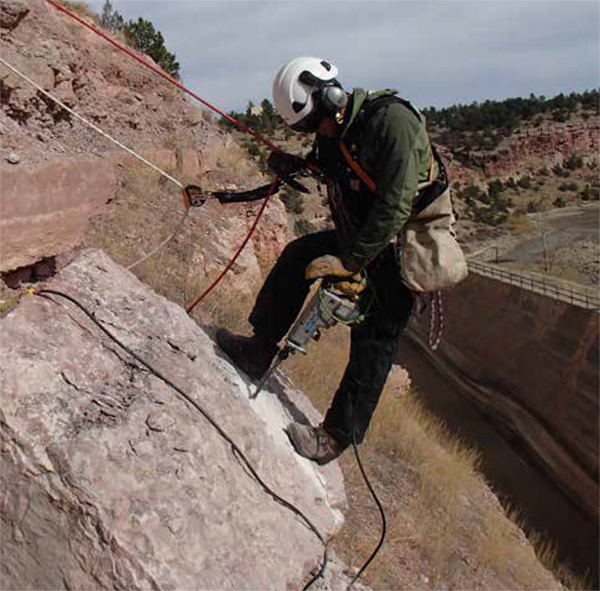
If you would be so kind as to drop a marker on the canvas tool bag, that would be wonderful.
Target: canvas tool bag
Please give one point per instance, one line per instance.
(430, 258)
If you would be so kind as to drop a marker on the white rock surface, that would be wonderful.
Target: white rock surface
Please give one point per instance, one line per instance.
(111, 480)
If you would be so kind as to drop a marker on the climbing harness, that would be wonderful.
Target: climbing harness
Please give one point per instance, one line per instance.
(235, 449)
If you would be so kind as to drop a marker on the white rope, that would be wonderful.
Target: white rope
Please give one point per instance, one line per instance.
(118, 143)
(163, 243)
(89, 124)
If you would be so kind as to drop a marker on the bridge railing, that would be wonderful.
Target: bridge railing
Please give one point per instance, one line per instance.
(585, 298)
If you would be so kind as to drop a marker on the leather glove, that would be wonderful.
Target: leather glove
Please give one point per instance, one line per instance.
(350, 289)
(284, 164)
(331, 267)
(327, 266)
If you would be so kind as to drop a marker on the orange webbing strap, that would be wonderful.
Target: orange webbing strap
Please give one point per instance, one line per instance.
(366, 179)
(357, 168)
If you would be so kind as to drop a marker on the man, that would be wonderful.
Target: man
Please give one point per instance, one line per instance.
(371, 191)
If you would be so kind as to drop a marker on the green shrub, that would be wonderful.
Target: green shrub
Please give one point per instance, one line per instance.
(470, 193)
(573, 162)
(559, 202)
(495, 188)
(110, 19)
(252, 148)
(303, 227)
(524, 182)
(586, 193)
(560, 116)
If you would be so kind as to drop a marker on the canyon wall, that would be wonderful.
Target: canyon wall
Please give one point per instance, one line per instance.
(532, 363)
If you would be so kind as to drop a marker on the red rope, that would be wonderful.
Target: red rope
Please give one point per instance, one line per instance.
(162, 74)
(229, 118)
(238, 252)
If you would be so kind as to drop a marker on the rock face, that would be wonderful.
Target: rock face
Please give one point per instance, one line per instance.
(11, 13)
(56, 172)
(530, 361)
(553, 143)
(82, 70)
(45, 209)
(111, 480)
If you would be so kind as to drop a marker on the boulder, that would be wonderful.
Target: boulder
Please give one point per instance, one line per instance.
(110, 479)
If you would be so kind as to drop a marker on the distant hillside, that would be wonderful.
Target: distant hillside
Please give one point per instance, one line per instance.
(482, 126)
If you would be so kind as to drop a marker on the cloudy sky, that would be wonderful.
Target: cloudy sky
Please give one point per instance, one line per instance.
(434, 52)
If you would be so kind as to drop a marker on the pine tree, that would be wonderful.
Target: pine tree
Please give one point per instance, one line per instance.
(142, 36)
(110, 19)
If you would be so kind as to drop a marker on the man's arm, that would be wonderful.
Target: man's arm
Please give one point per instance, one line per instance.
(392, 138)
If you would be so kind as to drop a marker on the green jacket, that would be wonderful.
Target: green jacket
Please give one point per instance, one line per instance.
(394, 150)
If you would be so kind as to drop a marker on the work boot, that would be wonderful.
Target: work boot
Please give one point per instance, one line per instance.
(314, 443)
(253, 355)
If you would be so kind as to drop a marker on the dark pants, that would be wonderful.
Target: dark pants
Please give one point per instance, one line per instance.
(374, 342)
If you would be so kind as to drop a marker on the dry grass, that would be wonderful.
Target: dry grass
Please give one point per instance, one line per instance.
(446, 474)
(518, 223)
(233, 159)
(547, 554)
(448, 518)
(146, 211)
(451, 516)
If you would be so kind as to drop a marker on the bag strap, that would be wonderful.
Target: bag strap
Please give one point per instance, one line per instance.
(363, 175)
(357, 168)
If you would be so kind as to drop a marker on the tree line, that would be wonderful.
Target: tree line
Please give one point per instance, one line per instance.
(509, 113)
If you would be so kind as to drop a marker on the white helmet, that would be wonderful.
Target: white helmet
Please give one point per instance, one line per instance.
(305, 90)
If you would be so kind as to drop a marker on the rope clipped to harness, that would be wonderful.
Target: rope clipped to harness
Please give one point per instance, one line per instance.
(436, 320)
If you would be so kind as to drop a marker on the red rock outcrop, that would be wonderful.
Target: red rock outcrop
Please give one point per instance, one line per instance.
(553, 143)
